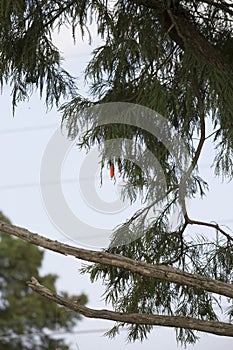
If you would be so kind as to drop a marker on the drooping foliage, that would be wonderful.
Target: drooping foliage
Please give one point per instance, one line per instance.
(26, 320)
(174, 57)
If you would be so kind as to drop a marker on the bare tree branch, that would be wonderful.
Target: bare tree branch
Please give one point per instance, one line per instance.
(213, 327)
(210, 224)
(148, 270)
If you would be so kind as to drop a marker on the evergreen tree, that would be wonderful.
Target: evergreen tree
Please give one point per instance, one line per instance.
(27, 320)
(174, 57)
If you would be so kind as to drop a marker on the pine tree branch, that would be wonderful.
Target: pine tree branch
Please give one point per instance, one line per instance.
(57, 14)
(148, 270)
(186, 176)
(213, 327)
(202, 138)
(192, 166)
(186, 34)
(221, 6)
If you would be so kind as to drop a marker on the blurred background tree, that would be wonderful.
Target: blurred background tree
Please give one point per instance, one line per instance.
(28, 321)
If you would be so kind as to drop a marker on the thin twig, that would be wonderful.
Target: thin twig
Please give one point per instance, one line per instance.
(209, 224)
(214, 132)
(146, 209)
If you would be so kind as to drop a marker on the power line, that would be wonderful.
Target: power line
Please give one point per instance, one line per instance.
(48, 183)
(36, 184)
(87, 331)
(26, 129)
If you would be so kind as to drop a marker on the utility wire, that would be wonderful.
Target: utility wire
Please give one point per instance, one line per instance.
(30, 128)
(36, 184)
(49, 183)
(87, 331)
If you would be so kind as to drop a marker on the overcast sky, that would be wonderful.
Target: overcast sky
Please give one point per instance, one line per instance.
(23, 141)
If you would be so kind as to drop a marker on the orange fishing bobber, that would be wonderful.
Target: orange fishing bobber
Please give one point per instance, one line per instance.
(111, 171)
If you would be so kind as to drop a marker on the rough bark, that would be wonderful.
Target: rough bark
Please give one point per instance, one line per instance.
(148, 270)
(213, 327)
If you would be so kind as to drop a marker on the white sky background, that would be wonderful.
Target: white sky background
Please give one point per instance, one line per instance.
(23, 139)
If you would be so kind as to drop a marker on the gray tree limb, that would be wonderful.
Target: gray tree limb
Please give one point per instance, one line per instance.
(161, 272)
(213, 327)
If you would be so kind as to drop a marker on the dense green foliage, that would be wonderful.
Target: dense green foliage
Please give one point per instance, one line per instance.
(26, 319)
(174, 57)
